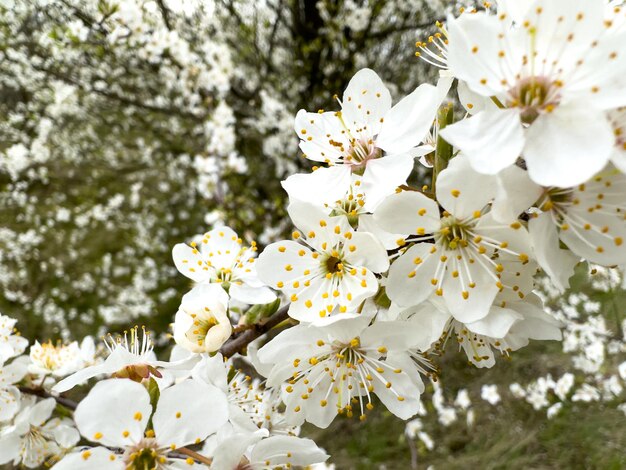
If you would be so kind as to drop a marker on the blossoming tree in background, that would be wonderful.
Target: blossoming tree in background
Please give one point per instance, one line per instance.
(381, 274)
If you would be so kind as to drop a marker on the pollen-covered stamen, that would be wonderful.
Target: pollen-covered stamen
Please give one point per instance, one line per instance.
(534, 95)
(360, 151)
(435, 49)
(144, 455)
(137, 346)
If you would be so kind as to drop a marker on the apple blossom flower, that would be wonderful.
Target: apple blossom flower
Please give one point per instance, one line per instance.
(366, 137)
(130, 356)
(116, 412)
(327, 367)
(461, 255)
(57, 360)
(588, 219)
(553, 74)
(330, 272)
(201, 323)
(221, 258)
(33, 437)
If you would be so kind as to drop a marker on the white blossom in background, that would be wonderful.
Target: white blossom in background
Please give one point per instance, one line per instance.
(33, 435)
(490, 394)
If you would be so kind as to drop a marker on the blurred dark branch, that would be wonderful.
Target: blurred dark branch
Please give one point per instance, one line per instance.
(165, 14)
(40, 392)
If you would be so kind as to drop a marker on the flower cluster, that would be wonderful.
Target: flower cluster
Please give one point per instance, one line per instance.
(381, 274)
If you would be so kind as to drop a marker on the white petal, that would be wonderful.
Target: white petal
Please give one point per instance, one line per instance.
(188, 412)
(461, 190)
(556, 262)
(402, 397)
(396, 336)
(364, 250)
(280, 264)
(220, 247)
(382, 176)
(409, 213)
(408, 122)
(251, 295)
(91, 459)
(473, 53)
(473, 102)
(568, 146)
(114, 413)
(516, 192)
(41, 412)
(492, 139)
(186, 260)
(323, 186)
(365, 101)
(10, 446)
(496, 324)
(276, 451)
(318, 133)
(409, 283)
(480, 299)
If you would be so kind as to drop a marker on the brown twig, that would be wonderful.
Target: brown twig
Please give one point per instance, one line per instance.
(40, 392)
(239, 342)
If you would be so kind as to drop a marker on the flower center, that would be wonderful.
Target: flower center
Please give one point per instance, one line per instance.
(145, 455)
(556, 197)
(361, 150)
(534, 95)
(453, 234)
(333, 264)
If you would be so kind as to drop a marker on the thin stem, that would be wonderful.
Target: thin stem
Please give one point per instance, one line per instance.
(194, 455)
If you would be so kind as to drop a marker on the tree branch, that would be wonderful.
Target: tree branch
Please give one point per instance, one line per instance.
(40, 392)
(238, 343)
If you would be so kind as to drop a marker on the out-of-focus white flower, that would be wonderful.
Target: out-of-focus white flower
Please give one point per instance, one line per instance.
(462, 399)
(490, 394)
(517, 390)
(564, 385)
(586, 393)
(33, 436)
(554, 410)
(130, 356)
(57, 360)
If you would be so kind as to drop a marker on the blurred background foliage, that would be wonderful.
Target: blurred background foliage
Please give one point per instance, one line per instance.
(128, 126)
